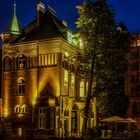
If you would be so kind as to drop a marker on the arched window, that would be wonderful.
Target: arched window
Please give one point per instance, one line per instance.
(24, 109)
(21, 87)
(17, 109)
(21, 62)
(7, 63)
(82, 89)
(74, 118)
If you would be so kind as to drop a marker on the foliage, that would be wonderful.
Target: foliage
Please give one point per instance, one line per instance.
(105, 49)
(112, 104)
(93, 132)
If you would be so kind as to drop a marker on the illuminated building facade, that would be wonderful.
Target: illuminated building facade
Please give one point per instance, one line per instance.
(1, 83)
(132, 80)
(41, 90)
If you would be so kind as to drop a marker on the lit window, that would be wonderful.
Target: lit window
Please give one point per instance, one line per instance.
(24, 109)
(49, 61)
(19, 131)
(65, 82)
(138, 42)
(82, 89)
(17, 109)
(72, 85)
(21, 87)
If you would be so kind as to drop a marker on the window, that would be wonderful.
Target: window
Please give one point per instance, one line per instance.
(72, 85)
(134, 55)
(41, 118)
(22, 62)
(17, 109)
(24, 109)
(74, 120)
(49, 118)
(82, 89)
(65, 64)
(134, 67)
(20, 131)
(65, 82)
(21, 87)
(47, 59)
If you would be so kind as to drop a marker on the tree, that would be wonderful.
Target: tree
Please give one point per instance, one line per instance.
(106, 47)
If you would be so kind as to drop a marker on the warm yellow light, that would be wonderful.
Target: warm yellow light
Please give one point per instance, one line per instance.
(20, 115)
(6, 113)
(34, 98)
(66, 54)
(51, 102)
(20, 131)
(6, 101)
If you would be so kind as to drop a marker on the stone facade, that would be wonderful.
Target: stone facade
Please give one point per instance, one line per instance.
(42, 93)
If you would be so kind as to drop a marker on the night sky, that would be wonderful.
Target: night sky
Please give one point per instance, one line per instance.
(127, 11)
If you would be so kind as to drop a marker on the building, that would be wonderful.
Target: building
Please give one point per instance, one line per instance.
(0, 83)
(132, 80)
(42, 93)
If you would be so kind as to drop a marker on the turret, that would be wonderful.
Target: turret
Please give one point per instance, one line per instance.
(13, 30)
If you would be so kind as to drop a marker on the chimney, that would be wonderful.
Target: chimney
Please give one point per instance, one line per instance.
(40, 12)
(51, 10)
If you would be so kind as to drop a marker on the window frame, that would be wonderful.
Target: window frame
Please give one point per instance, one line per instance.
(21, 87)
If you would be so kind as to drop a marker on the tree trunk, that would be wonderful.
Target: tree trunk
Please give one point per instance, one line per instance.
(87, 104)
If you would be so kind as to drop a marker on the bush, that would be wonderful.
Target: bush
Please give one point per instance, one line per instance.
(93, 132)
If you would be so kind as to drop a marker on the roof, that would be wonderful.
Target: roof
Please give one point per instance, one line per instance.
(14, 27)
(49, 27)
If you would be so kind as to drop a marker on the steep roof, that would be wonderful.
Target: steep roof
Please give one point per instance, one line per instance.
(49, 27)
(14, 27)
